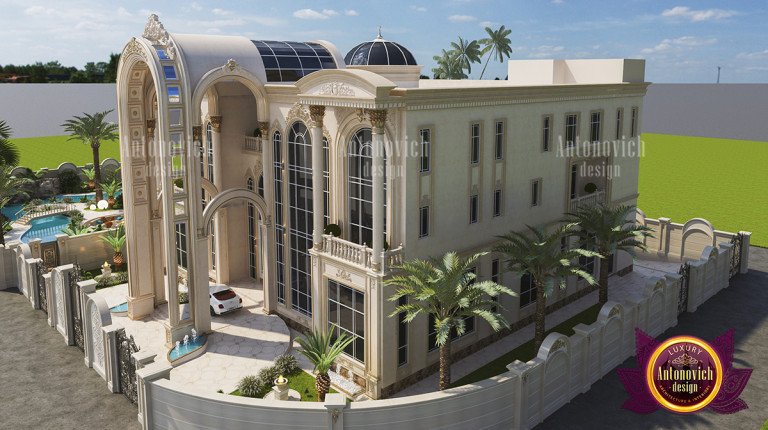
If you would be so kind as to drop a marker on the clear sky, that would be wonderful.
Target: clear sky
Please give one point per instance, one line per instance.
(683, 41)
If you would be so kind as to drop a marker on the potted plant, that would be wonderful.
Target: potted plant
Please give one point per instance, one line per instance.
(332, 229)
(116, 240)
(590, 188)
(90, 174)
(111, 188)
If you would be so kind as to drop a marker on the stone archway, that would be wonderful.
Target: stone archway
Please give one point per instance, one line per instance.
(232, 194)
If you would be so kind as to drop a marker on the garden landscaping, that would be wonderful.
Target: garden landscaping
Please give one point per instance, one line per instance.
(50, 151)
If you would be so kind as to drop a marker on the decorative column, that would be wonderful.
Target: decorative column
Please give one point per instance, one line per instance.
(219, 219)
(378, 118)
(316, 132)
(267, 243)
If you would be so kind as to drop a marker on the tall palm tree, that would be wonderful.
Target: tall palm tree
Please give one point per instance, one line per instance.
(467, 52)
(92, 129)
(448, 66)
(497, 44)
(10, 186)
(447, 291)
(9, 154)
(606, 230)
(321, 348)
(540, 255)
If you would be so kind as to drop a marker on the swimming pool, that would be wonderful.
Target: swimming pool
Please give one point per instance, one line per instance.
(11, 211)
(45, 228)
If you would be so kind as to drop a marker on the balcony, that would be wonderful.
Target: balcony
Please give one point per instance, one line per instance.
(252, 144)
(359, 255)
(587, 200)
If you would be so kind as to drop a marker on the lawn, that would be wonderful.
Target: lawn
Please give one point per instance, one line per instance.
(50, 151)
(721, 180)
(302, 382)
(525, 351)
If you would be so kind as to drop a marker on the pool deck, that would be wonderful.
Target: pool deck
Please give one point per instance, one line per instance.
(19, 229)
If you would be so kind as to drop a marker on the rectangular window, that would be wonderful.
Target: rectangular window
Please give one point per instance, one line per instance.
(633, 128)
(402, 333)
(527, 290)
(181, 244)
(536, 192)
(495, 277)
(595, 126)
(574, 178)
(213, 246)
(209, 141)
(619, 123)
(469, 327)
(424, 221)
(546, 133)
(499, 141)
(473, 208)
(497, 203)
(475, 144)
(571, 129)
(426, 149)
(346, 314)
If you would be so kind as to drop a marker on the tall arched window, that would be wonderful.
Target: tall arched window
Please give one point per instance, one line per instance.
(260, 186)
(300, 216)
(326, 185)
(360, 193)
(251, 234)
(277, 165)
(209, 142)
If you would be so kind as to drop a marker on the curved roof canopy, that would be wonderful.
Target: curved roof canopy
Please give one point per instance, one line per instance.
(291, 61)
(380, 52)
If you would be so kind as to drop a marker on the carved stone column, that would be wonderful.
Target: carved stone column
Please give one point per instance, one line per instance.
(316, 113)
(378, 118)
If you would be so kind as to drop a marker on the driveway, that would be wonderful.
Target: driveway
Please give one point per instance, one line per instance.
(742, 306)
(44, 383)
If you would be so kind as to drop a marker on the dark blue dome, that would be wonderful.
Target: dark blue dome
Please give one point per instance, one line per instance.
(379, 52)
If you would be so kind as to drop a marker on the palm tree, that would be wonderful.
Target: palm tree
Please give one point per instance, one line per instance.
(497, 44)
(606, 230)
(321, 348)
(10, 186)
(448, 66)
(111, 188)
(467, 52)
(9, 154)
(92, 129)
(540, 255)
(116, 240)
(90, 174)
(447, 291)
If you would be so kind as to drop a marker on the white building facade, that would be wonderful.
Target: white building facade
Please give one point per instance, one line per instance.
(239, 155)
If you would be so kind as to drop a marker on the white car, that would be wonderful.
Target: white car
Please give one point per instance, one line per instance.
(223, 299)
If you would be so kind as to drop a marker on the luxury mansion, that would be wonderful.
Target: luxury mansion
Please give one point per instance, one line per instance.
(310, 174)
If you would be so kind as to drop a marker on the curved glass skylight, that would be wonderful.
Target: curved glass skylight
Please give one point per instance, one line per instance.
(291, 61)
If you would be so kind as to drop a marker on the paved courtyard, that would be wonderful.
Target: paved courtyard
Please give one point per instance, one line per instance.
(622, 288)
(742, 306)
(242, 342)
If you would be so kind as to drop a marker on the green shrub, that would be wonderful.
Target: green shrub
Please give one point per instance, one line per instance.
(84, 199)
(590, 188)
(183, 298)
(286, 364)
(69, 182)
(267, 376)
(332, 229)
(250, 386)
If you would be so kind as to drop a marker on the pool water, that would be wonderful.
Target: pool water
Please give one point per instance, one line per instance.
(190, 347)
(45, 228)
(11, 211)
(122, 307)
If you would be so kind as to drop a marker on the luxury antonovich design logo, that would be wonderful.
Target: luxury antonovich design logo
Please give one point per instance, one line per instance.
(684, 374)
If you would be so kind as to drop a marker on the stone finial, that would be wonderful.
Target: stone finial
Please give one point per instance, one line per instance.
(378, 118)
(154, 31)
(216, 123)
(316, 113)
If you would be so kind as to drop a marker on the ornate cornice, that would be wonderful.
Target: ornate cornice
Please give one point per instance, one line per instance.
(298, 112)
(133, 48)
(316, 113)
(378, 118)
(197, 133)
(336, 89)
(155, 32)
(216, 123)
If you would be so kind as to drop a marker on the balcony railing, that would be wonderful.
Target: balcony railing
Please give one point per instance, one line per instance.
(359, 255)
(252, 144)
(588, 200)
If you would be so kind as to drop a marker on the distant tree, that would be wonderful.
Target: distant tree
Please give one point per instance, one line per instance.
(78, 77)
(110, 71)
(497, 45)
(467, 52)
(92, 129)
(38, 73)
(448, 66)
(9, 154)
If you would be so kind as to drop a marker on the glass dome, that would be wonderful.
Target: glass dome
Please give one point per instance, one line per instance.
(379, 52)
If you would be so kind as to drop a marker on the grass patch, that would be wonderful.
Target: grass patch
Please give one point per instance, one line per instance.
(721, 180)
(301, 381)
(525, 351)
(50, 151)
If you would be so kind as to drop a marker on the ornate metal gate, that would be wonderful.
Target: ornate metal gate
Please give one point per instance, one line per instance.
(50, 253)
(77, 311)
(736, 256)
(126, 346)
(42, 296)
(682, 300)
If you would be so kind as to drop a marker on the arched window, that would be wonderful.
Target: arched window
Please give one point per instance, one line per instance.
(209, 141)
(300, 215)
(277, 155)
(260, 186)
(251, 233)
(326, 185)
(360, 193)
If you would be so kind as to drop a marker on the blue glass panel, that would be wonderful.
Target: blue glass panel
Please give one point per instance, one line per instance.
(289, 62)
(270, 62)
(174, 95)
(161, 53)
(170, 72)
(310, 63)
